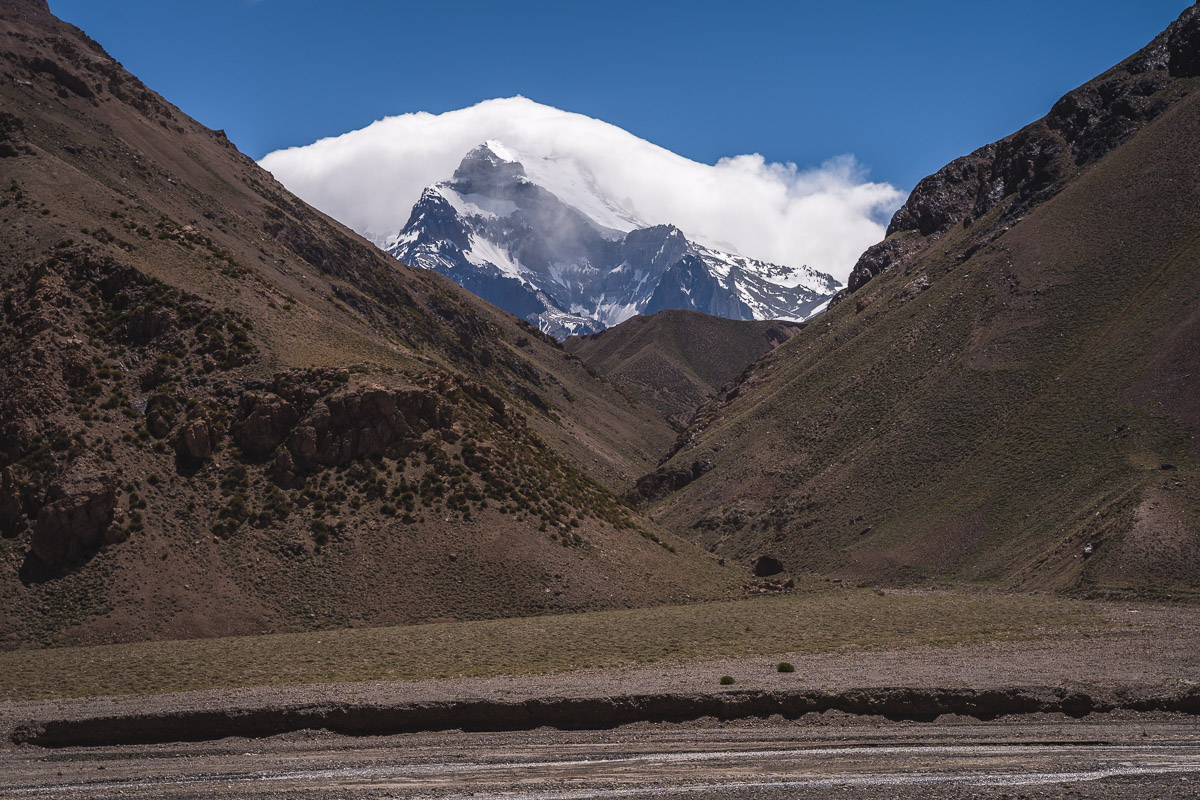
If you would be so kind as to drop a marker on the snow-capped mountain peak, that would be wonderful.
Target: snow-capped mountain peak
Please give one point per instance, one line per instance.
(537, 237)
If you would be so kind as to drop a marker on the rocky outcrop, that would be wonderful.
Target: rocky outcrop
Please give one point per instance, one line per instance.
(371, 421)
(766, 566)
(1183, 45)
(662, 482)
(889, 253)
(267, 419)
(79, 509)
(147, 324)
(941, 200)
(483, 394)
(1033, 164)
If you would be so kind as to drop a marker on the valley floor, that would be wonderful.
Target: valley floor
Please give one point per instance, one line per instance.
(1133, 658)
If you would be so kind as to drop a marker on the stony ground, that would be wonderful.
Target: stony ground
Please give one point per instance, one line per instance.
(1122, 755)
(1119, 754)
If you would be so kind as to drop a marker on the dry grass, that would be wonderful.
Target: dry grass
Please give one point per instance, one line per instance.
(797, 623)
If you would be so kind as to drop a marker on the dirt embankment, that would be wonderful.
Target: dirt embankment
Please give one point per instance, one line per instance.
(590, 713)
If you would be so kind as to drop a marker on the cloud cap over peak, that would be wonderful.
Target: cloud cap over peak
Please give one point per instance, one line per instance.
(823, 217)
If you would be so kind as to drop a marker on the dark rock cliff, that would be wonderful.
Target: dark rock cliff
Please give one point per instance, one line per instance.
(1033, 164)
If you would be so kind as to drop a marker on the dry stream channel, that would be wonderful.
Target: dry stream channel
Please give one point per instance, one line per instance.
(1122, 754)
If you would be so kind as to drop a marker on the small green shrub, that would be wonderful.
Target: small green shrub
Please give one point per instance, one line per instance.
(727, 680)
(784, 666)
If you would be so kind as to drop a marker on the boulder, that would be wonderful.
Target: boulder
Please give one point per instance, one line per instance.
(158, 423)
(196, 440)
(79, 509)
(765, 566)
(283, 472)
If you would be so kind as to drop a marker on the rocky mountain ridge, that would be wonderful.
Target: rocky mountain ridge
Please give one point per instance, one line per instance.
(1035, 163)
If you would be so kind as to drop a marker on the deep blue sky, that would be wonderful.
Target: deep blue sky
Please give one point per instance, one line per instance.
(905, 87)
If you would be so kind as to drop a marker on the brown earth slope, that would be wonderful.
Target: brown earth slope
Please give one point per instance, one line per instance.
(675, 360)
(222, 412)
(1012, 377)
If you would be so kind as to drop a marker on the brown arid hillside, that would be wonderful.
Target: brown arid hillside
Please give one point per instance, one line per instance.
(675, 360)
(222, 412)
(1009, 391)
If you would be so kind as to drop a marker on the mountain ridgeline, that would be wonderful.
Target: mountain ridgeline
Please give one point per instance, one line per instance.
(536, 237)
(1007, 391)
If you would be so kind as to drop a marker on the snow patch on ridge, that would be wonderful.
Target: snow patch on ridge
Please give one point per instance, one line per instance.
(484, 253)
(476, 205)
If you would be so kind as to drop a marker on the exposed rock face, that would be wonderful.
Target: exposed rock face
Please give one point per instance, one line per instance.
(1183, 45)
(944, 198)
(196, 440)
(365, 422)
(267, 419)
(883, 256)
(1031, 165)
(79, 509)
(689, 284)
(661, 483)
(496, 231)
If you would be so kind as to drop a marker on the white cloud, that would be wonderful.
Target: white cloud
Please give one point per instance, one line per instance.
(823, 217)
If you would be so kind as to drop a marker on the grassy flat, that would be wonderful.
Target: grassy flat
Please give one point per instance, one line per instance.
(823, 620)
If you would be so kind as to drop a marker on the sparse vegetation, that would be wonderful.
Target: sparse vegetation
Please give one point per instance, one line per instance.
(809, 623)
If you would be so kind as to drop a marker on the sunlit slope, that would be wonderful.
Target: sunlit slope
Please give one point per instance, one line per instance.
(987, 410)
(222, 412)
